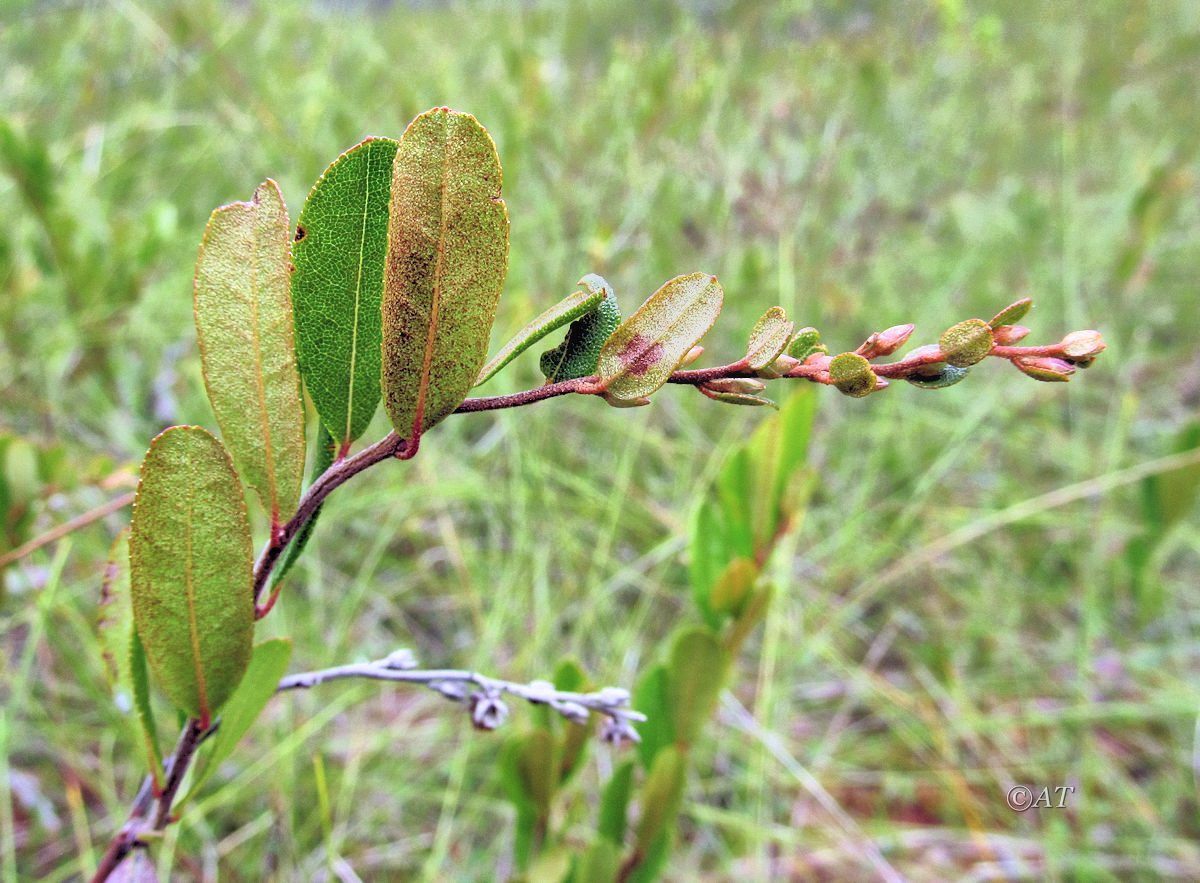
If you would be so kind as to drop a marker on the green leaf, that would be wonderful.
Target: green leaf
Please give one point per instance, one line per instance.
(752, 613)
(579, 352)
(967, 343)
(337, 288)
(806, 342)
(568, 309)
(698, 669)
(529, 772)
(650, 698)
(769, 338)
(116, 616)
(140, 677)
(243, 309)
(614, 803)
(661, 795)
(446, 262)
(267, 666)
(741, 398)
(191, 570)
(323, 460)
(654, 859)
(601, 863)
(733, 586)
(1012, 314)
(641, 354)
(852, 375)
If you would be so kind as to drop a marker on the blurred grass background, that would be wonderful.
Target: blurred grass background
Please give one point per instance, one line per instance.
(947, 630)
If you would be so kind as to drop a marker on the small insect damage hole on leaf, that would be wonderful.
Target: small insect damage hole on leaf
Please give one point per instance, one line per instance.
(300, 233)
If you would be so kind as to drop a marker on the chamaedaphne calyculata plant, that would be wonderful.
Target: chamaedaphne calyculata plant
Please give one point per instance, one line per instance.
(385, 291)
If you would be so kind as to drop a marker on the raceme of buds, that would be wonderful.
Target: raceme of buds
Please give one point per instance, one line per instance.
(884, 343)
(1045, 368)
(966, 343)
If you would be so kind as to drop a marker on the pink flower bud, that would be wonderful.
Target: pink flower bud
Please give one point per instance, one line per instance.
(692, 355)
(1083, 344)
(1045, 368)
(1007, 335)
(891, 339)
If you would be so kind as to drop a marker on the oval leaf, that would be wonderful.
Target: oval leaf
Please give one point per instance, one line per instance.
(570, 308)
(243, 308)
(641, 354)
(698, 668)
(191, 569)
(579, 352)
(446, 261)
(341, 243)
(661, 795)
(769, 338)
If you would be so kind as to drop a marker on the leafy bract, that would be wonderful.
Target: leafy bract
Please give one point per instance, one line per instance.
(267, 666)
(641, 354)
(243, 308)
(341, 241)
(769, 338)
(579, 352)
(446, 261)
(568, 309)
(191, 569)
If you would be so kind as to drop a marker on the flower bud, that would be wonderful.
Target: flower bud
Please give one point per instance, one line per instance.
(1083, 345)
(742, 385)
(692, 355)
(884, 343)
(626, 403)
(1007, 335)
(781, 366)
(1045, 368)
(937, 376)
(488, 710)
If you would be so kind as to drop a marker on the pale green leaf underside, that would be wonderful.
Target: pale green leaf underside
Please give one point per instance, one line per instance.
(243, 311)
(267, 666)
(641, 354)
(570, 308)
(446, 262)
(337, 287)
(191, 563)
(769, 338)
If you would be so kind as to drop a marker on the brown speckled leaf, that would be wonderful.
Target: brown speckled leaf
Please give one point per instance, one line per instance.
(243, 310)
(446, 262)
(191, 568)
(641, 354)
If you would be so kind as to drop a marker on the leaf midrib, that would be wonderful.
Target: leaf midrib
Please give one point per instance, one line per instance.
(259, 382)
(435, 303)
(193, 622)
(362, 247)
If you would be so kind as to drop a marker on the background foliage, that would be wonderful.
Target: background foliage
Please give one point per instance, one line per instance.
(862, 164)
